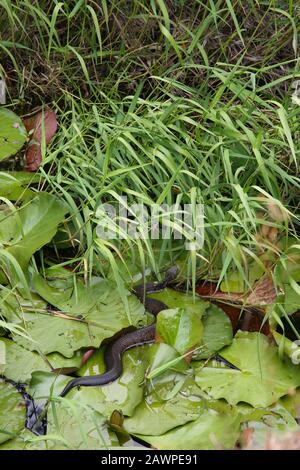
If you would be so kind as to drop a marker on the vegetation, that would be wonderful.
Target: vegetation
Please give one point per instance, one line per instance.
(164, 102)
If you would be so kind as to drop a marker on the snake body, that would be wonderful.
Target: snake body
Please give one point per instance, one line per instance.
(114, 351)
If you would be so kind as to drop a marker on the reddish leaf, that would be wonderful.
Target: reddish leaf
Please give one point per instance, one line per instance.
(241, 318)
(264, 292)
(35, 123)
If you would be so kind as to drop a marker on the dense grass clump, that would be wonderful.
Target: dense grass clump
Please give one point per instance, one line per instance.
(165, 102)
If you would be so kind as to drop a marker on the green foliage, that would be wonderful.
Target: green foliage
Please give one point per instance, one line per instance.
(163, 102)
(12, 133)
(180, 328)
(12, 412)
(217, 332)
(263, 377)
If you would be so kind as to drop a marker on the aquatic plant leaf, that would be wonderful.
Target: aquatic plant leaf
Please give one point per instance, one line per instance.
(12, 411)
(263, 376)
(13, 134)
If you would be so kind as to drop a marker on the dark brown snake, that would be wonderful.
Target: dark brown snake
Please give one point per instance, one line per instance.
(114, 351)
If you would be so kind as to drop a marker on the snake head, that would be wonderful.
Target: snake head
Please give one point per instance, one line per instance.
(171, 274)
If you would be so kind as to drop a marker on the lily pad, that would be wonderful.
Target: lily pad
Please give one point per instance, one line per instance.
(163, 360)
(179, 328)
(263, 376)
(26, 230)
(20, 363)
(15, 185)
(25, 440)
(12, 412)
(177, 299)
(124, 393)
(217, 332)
(210, 431)
(72, 425)
(92, 314)
(13, 134)
(155, 415)
(291, 299)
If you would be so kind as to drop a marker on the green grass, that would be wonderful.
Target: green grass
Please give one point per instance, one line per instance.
(164, 102)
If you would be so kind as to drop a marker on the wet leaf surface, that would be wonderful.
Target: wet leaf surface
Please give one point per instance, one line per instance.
(13, 134)
(180, 328)
(263, 376)
(25, 231)
(211, 430)
(12, 411)
(217, 332)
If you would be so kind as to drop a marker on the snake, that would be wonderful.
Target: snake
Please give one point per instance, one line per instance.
(146, 335)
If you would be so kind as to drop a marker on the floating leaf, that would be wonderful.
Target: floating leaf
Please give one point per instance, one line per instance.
(179, 328)
(72, 425)
(163, 358)
(123, 394)
(93, 313)
(12, 133)
(25, 440)
(43, 122)
(291, 299)
(156, 415)
(12, 411)
(263, 376)
(14, 185)
(177, 299)
(212, 430)
(20, 363)
(217, 332)
(26, 230)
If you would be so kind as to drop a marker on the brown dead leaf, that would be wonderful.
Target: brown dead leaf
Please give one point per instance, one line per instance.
(35, 124)
(264, 292)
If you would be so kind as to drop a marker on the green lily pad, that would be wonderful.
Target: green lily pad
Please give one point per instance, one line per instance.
(156, 415)
(15, 184)
(180, 328)
(26, 230)
(217, 332)
(263, 376)
(210, 431)
(94, 313)
(13, 134)
(291, 299)
(123, 394)
(25, 440)
(46, 384)
(177, 299)
(163, 360)
(72, 425)
(19, 363)
(234, 281)
(12, 412)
